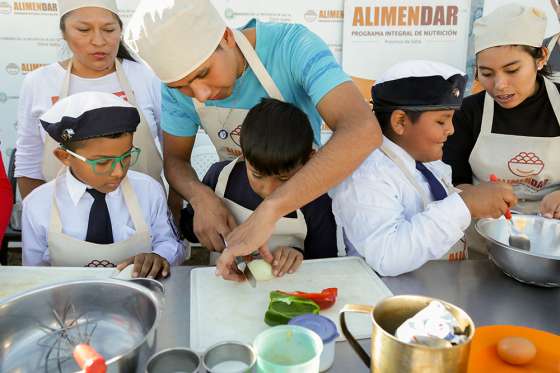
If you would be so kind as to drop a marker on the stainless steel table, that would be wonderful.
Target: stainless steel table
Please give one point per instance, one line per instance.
(477, 286)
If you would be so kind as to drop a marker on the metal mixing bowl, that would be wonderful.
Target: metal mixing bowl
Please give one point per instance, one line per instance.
(539, 266)
(39, 328)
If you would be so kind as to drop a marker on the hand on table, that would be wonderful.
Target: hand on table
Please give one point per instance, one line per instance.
(550, 205)
(286, 260)
(148, 265)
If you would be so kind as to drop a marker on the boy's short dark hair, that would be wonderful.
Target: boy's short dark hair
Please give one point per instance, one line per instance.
(384, 119)
(276, 137)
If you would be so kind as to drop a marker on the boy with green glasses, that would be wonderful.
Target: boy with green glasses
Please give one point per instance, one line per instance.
(97, 212)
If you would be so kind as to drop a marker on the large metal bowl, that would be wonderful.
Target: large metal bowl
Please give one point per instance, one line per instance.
(539, 266)
(39, 328)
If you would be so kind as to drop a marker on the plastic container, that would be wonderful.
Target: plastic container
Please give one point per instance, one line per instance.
(288, 349)
(326, 330)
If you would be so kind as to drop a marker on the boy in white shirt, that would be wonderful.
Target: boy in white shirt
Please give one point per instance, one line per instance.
(399, 209)
(96, 212)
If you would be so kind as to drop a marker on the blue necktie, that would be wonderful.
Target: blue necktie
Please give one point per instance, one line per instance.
(438, 191)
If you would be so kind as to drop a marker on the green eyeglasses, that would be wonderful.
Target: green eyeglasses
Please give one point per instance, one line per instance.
(106, 165)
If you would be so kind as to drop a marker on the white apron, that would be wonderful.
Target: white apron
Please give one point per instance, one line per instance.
(223, 125)
(68, 251)
(530, 164)
(150, 161)
(458, 251)
(289, 232)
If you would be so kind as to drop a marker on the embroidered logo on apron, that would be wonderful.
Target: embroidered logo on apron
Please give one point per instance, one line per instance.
(236, 135)
(526, 164)
(100, 263)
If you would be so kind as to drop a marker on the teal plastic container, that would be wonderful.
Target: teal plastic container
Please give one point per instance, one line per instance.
(288, 349)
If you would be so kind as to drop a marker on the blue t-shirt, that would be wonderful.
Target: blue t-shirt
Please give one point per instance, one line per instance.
(299, 62)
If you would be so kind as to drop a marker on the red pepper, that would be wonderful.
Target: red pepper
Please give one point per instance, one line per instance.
(325, 299)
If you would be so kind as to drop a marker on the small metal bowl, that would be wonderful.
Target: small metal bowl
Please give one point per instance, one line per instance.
(538, 266)
(229, 356)
(174, 360)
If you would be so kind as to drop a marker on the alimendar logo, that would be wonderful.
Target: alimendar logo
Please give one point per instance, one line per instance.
(324, 15)
(24, 68)
(35, 6)
(526, 164)
(406, 15)
(28, 67)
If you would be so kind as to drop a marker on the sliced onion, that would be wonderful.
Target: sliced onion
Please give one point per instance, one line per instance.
(261, 270)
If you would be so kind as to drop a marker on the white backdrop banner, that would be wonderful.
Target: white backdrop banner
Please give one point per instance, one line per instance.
(379, 34)
(323, 17)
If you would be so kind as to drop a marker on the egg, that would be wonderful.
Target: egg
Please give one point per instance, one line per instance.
(516, 350)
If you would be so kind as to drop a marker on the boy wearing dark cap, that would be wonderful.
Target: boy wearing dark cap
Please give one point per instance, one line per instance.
(96, 212)
(399, 209)
(276, 140)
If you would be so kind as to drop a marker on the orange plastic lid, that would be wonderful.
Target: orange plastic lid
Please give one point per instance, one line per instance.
(484, 357)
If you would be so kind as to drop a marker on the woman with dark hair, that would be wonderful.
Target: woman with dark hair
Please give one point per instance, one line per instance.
(99, 62)
(512, 128)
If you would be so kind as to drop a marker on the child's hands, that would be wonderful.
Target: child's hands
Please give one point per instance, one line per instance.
(488, 200)
(149, 265)
(286, 260)
(550, 205)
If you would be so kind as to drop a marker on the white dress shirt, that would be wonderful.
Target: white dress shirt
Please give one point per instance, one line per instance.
(42, 87)
(74, 204)
(384, 219)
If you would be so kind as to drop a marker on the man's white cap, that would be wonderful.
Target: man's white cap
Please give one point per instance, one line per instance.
(511, 24)
(174, 37)
(65, 6)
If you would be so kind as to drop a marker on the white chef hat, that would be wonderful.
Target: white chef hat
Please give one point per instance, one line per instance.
(174, 37)
(65, 6)
(511, 24)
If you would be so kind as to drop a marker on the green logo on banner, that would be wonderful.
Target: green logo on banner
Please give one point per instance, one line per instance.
(229, 13)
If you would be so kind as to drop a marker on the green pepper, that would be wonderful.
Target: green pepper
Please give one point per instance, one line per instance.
(282, 308)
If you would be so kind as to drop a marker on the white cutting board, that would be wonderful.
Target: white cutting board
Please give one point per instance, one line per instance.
(225, 310)
(16, 279)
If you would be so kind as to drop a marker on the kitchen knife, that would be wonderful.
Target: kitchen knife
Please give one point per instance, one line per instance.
(246, 271)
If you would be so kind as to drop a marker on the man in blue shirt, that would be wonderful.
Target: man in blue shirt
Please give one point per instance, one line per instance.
(212, 76)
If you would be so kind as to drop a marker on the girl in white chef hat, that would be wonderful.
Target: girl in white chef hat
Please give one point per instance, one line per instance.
(512, 128)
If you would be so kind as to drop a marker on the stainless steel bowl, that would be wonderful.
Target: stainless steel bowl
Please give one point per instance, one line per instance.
(174, 360)
(229, 356)
(38, 329)
(539, 266)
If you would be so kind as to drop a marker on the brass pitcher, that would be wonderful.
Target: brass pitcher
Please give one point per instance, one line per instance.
(389, 355)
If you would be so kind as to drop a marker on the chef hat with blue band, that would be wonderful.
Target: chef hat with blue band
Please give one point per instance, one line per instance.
(419, 85)
(89, 115)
